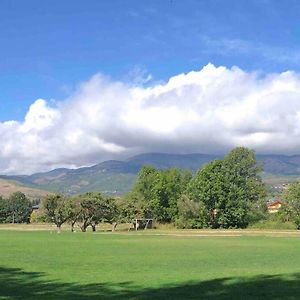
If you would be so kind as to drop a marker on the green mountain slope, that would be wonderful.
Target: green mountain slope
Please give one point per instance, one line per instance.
(117, 177)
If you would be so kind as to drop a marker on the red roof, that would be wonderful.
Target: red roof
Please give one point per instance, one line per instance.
(274, 203)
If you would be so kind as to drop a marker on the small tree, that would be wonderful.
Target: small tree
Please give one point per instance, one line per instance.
(106, 211)
(111, 214)
(91, 210)
(56, 209)
(74, 208)
(19, 208)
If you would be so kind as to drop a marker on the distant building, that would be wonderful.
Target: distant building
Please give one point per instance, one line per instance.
(35, 207)
(274, 206)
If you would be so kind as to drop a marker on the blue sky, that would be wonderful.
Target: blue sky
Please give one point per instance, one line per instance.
(86, 81)
(48, 47)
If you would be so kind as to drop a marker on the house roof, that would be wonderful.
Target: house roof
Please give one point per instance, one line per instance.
(274, 203)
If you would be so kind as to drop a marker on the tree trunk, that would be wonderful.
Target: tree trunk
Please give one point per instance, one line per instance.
(114, 226)
(72, 226)
(83, 225)
(58, 228)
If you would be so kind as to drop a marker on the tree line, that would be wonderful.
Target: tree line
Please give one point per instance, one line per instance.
(224, 193)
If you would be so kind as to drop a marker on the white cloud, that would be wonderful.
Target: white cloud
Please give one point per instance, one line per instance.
(210, 110)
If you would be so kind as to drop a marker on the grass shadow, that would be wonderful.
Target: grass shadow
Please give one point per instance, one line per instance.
(16, 284)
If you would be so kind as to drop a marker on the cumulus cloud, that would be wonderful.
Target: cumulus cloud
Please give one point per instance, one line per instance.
(208, 111)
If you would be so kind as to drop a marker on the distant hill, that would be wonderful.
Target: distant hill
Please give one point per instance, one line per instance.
(280, 164)
(7, 187)
(117, 177)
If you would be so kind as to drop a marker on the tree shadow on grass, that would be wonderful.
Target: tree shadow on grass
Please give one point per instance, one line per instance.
(16, 284)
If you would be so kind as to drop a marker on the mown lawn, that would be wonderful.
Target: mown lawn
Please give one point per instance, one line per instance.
(44, 265)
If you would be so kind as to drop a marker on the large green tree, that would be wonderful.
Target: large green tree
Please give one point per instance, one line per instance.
(229, 188)
(160, 191)
(18, 208)
(243, 187)
(169, 187)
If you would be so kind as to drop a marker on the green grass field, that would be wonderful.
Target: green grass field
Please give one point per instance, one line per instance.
(45, 265)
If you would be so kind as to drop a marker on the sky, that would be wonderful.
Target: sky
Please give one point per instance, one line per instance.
(86, 81)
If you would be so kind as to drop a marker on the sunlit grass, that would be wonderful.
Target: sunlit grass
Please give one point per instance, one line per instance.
(136, 262)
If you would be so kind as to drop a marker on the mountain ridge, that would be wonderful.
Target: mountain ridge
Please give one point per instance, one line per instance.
(116, 176)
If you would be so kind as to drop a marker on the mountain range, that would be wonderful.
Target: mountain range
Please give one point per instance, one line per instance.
(117, 177)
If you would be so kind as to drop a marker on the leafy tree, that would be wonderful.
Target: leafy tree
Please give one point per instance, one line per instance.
(107, 212)
(291, 206)
(74, 207)
(111, 215)
(3, 210)
(168, 189)
(56, 209)
(18, 208)
(229, 188)
(145, 183)
(92, 209)
(133, 206)
(207, 188)
(160, 190)
(243, 187)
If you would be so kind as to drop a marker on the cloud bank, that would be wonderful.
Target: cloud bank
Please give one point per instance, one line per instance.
(206, 111)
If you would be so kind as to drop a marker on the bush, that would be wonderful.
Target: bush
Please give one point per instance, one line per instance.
(191, 215)
(183, 223)
(37, 216)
